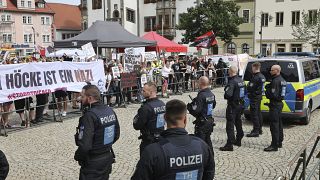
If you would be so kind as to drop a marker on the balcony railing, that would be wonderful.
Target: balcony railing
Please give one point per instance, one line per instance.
(171, 4)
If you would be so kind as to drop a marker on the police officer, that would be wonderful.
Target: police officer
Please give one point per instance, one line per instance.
(177, 155)
(4, 166)
(149, 119)
(98, 129)
(255, 90)
(201, 108)
(234, 94)
(275, 92)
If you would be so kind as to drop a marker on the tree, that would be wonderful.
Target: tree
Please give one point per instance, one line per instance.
(218, 16)
(308, 28)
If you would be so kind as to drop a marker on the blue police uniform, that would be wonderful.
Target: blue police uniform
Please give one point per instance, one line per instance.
(275, 92)
(176, 156)
(234, 94)
(150, 121)
(202, 109)
(98, 129)
(255, 90)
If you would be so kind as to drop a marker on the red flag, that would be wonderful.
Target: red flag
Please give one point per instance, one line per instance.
(206, 41)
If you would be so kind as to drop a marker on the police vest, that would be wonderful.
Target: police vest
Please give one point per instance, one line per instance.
(208, 106)
(156, 122)
(183, 163)
(105, 125)
(239, 89)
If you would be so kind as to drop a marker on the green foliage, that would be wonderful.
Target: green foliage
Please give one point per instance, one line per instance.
(217, 15)
(308, 29)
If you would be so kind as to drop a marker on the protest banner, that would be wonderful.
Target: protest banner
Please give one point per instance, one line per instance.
(133, 56)
(88, 50)
(128, 80)
(150, 56)
(143, 79)
(115, 71)
(18, 81)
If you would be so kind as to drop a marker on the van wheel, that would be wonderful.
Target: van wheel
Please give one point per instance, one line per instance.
(306, 120)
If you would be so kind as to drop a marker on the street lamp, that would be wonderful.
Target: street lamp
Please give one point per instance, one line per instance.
(269, 18)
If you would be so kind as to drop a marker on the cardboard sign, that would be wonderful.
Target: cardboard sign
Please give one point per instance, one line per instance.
(128, 80)
(133, 56)
(88, 50)
(115, 71)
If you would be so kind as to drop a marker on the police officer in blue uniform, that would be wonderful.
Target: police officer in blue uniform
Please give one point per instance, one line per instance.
(98, 129)
(255, 90)
(234, 94)
(177, 155)
(275, 92)
(149, 119)
(201, 108)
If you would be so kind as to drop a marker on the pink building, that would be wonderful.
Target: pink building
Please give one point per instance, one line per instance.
(25, 25)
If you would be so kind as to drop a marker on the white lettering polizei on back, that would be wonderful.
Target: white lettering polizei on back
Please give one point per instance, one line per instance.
(108, 119)
(186, 160)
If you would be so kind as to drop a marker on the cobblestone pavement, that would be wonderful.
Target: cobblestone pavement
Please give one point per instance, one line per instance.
(46, 152)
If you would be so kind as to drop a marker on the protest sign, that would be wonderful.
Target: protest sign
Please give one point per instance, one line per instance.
(133, 56)
(150, 56)
(115, 71)
(128, 80)
(143, 79)
(18, 81)
(88, 50)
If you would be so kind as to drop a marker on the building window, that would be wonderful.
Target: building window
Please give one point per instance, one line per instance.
(245, 48)
(8, 17)
(231, 48)
(40, 5)
(246, 15)
(313, 16)
(68, 35)
(296, 47)
(45, 38)
(3, 17)
(96, 4)
(22, 3)
(295, 17)
(7, 38)
(28, 38)
(130, 15)
(1, 3)
(281, 48)
(166, 20)
(149, 23)
(27, 19)
(264, 19)
(279, 19)
(45, 20)
(29, 4)
(160, 20)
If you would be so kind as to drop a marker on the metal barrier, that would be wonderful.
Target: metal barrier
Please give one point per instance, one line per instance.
(303, 159)
(179, 82)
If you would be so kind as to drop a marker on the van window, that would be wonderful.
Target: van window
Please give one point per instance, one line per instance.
(289, 70)
(311, 70)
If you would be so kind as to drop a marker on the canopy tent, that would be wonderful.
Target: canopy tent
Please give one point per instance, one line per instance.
(105, 34)
(163, 43)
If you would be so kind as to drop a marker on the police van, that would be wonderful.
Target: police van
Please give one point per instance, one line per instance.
(303, 85)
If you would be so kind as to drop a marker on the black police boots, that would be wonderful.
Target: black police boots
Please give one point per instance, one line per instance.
(253, 134)
(226, 148)
(271, 148)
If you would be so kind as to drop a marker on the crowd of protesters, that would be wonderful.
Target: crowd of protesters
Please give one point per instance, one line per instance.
(173, 75)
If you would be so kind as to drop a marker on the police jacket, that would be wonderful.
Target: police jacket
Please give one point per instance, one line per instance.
(150, 117)
(276, 90)
(176, 156)
(98, 129)
(255, 87)
(4, 166)
(234, 91)
(203, 105)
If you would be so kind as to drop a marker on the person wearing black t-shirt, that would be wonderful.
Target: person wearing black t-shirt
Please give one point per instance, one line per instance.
(177, 76)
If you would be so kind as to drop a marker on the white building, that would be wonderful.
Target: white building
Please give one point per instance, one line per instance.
(278, 16)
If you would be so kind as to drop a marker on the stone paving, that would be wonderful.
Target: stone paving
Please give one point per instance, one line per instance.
(46, 152)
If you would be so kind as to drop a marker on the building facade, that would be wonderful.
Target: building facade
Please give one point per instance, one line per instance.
(275, 18)
(25, 25)
(244, 42)
(67, 21)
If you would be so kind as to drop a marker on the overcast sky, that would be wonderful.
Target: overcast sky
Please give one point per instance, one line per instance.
(74, 2)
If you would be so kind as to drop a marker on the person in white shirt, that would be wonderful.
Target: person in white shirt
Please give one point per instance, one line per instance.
(166, 70)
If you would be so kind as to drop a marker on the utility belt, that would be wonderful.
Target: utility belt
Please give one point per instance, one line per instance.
(102, 153)
(151, 137)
